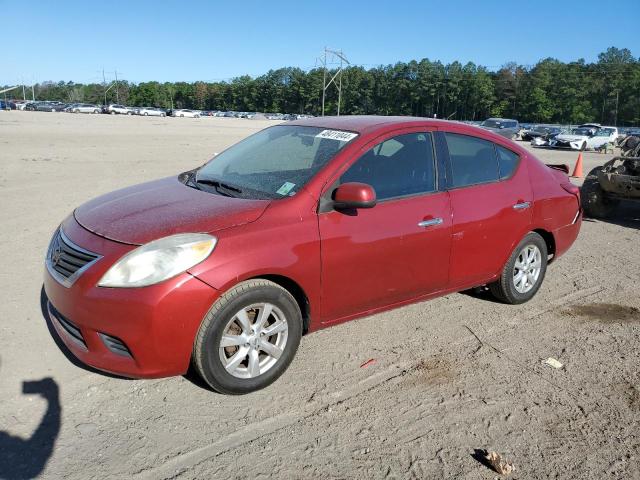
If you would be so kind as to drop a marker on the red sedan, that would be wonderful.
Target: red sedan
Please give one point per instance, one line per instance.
(298, 227)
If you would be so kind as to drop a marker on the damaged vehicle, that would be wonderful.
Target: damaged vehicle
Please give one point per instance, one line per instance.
(544, 139)
(585, 137)
(605, 186)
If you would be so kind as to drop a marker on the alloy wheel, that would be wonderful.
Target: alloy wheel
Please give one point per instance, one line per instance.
(253, 340)
(527, 268)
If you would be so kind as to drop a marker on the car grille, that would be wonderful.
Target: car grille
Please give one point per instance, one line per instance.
(72, 330)
(115, 345)
(66, 260)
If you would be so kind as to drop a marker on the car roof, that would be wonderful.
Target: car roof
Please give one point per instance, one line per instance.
(502, 119)
(364, 123)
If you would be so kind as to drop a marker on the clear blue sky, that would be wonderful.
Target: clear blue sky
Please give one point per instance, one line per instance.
(212, 40)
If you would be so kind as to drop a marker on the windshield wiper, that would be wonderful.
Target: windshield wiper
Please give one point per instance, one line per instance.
(217, 184)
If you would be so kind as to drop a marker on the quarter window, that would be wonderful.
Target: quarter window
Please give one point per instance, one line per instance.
(507, 161)
(473, 160)
(402, 165)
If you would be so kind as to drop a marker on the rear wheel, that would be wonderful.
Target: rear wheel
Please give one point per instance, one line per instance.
(595, 203)
(248, 338)
(524, 272)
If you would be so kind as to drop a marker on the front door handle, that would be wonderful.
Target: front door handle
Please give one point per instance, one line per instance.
(430, 223)
(522, 205)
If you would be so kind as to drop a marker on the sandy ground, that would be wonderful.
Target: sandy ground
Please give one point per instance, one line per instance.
(451, 375)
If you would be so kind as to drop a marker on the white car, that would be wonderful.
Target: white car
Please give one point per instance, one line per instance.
(587, 137)
(186, 113)
(84, 108)
(151, 112)
(120, 109)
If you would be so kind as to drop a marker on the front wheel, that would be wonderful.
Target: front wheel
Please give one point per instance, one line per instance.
(524, 272)
(248, 338)
(583, 147)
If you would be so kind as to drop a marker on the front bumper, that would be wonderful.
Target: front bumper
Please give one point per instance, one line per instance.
(156, 324)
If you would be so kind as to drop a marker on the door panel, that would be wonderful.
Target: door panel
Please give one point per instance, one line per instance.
(486, 226)
(380, 256)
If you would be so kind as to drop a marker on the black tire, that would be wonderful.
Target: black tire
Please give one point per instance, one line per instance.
(162, 115)
(583, 147)
(594, 200)
(504, 288)
(146, 114)
(206, 351)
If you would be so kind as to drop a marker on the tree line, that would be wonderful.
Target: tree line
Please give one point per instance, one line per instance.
(551, 91)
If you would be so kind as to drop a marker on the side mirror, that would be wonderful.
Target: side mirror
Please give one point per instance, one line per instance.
(354, 195)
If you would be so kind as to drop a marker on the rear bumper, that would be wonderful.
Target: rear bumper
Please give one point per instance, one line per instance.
(134, 332)
(565, 237)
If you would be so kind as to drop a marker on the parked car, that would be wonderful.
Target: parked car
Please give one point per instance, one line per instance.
(504, 127)
(151, 112)
(544, 139)
(538, 131)
(48, 106)
(221, 266)
(585, 137)
(84, 108)
(115, 109)
(185, 113)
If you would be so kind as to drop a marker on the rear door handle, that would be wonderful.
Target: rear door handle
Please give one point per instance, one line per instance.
(522, 205)
(430, 223)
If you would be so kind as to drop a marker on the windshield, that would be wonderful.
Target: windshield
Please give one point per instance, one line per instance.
(275, 162)
(581, 131)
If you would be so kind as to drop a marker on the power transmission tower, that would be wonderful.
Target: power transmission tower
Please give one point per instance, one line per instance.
(117, 88)
(329, 58)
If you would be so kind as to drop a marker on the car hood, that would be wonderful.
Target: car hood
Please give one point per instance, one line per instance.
(145, 212)
(570, 138)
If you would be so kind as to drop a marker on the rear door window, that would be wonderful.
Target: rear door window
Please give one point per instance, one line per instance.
(473, 160)
(507, 160)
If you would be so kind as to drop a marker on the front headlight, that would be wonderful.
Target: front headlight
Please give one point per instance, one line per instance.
(159, 260)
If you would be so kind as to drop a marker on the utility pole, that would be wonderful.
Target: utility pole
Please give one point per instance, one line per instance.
(332, 55)
(117, 88)
(617, 95)
(24, 96)
(33, 94)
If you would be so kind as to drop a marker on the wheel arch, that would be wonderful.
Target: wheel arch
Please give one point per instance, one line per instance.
(296, 291)
(550, 241)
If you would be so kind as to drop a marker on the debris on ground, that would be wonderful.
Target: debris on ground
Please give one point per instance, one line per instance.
(369, 362)
(499, 464)
(552, 362)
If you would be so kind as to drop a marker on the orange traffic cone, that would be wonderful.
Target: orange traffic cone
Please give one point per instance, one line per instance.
(577, 171)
